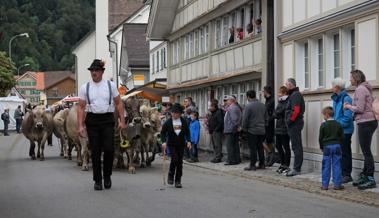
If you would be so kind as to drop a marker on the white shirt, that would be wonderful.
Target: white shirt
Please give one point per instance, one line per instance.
(99, 96)
(177, 124)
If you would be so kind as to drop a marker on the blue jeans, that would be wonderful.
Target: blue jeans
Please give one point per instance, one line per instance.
(332, 160)
(194, 151)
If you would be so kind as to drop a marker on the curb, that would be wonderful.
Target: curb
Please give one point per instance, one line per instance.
(350, 194)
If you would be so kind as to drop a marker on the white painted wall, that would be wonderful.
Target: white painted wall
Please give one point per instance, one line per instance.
(102, 44)
(295, 12)
(154, 47)
(367, 44)
(85, 53)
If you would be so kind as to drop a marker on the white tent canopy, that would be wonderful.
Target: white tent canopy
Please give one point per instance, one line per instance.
(11, 102)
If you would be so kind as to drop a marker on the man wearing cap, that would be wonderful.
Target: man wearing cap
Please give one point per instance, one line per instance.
(100, 98)
(295, 122)
(232, 127)
(176, 135)
(6, 121)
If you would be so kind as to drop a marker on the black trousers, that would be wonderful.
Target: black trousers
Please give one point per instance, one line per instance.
(233, 148)
(346, 160)
(176, 165)
(297, 144)
(5, 128)
(283, 147)
(100, 130)
(365, 132)
(256, 147)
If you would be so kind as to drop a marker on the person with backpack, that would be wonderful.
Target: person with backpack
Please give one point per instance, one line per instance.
(6, 121)
(216, 128)
(100, 99)
(345, 119)
(367, 124)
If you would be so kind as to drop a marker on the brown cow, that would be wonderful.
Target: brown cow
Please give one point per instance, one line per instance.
(151, 127)
(59, 121)
(80, 142)
(37, 126)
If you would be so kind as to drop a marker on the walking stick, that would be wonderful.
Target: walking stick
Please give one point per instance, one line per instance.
(164, 167)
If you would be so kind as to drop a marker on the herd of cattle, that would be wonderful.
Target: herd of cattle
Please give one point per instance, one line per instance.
(143, 125)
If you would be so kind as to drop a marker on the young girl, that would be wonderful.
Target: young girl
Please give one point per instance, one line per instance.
(195, 136)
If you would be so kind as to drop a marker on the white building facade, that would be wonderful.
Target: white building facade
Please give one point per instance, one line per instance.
(158, 60)
(115, 40)
(205, 60)
(319, 40)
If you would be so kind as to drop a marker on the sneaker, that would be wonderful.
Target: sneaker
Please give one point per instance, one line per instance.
(292, 173)
(370, 183)
(338, 188)
(270, 160)
(324, 188)
(286, 170)
(280, 169)
(250, 168)
(216, 161)
(361, 180)
(261, 167)
(347, 179)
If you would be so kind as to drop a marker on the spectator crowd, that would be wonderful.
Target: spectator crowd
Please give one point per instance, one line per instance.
(272, 131)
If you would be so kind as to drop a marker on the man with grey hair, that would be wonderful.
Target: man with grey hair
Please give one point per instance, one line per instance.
(295, 122)
(345, 119)
(232, 127)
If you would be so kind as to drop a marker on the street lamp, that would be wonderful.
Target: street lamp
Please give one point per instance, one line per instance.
(19, 68)
(10, 43)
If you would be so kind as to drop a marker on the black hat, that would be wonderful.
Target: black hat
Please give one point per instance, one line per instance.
(97, 65)
(177, 108)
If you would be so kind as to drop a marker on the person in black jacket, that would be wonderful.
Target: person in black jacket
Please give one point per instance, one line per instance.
(282, 137)
(295, 123)
(270, 126)
(175, 134)
(216, 128)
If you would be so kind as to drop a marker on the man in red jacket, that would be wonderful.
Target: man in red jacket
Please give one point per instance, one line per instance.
(295, 122)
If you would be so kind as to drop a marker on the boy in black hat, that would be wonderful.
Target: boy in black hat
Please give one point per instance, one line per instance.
(175, 133)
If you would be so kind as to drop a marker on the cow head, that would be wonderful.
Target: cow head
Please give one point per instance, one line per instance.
(145, 115)
(39, 118)
(132, 108)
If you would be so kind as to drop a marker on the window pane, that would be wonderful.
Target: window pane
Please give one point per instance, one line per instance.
(352, 36)
(225, 31)
(336, 42)
(202, 42)
(306, 66)
(218, 33)
(320, 63)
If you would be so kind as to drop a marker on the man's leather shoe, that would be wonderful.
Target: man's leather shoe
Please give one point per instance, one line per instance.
(98, 186)
(178, 185)
(107, 183)
(170, 181)
(229, 164)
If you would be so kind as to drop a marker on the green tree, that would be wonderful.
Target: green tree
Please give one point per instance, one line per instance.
(33, 64)
(7, 80)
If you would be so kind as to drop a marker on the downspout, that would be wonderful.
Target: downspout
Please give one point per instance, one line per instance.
(110, 50)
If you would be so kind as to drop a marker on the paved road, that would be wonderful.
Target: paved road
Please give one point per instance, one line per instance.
(56, 188)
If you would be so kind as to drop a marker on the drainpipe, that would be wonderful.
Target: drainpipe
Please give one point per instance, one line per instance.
(110, 50)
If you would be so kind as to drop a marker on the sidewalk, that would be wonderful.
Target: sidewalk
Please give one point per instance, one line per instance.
(308, 181)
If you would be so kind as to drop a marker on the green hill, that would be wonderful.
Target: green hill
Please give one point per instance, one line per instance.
(54, 26)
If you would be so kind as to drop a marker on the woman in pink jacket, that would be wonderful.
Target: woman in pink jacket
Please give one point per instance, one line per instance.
(367, 124)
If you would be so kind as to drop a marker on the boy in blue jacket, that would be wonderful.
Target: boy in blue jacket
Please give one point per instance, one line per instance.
(195, 136)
